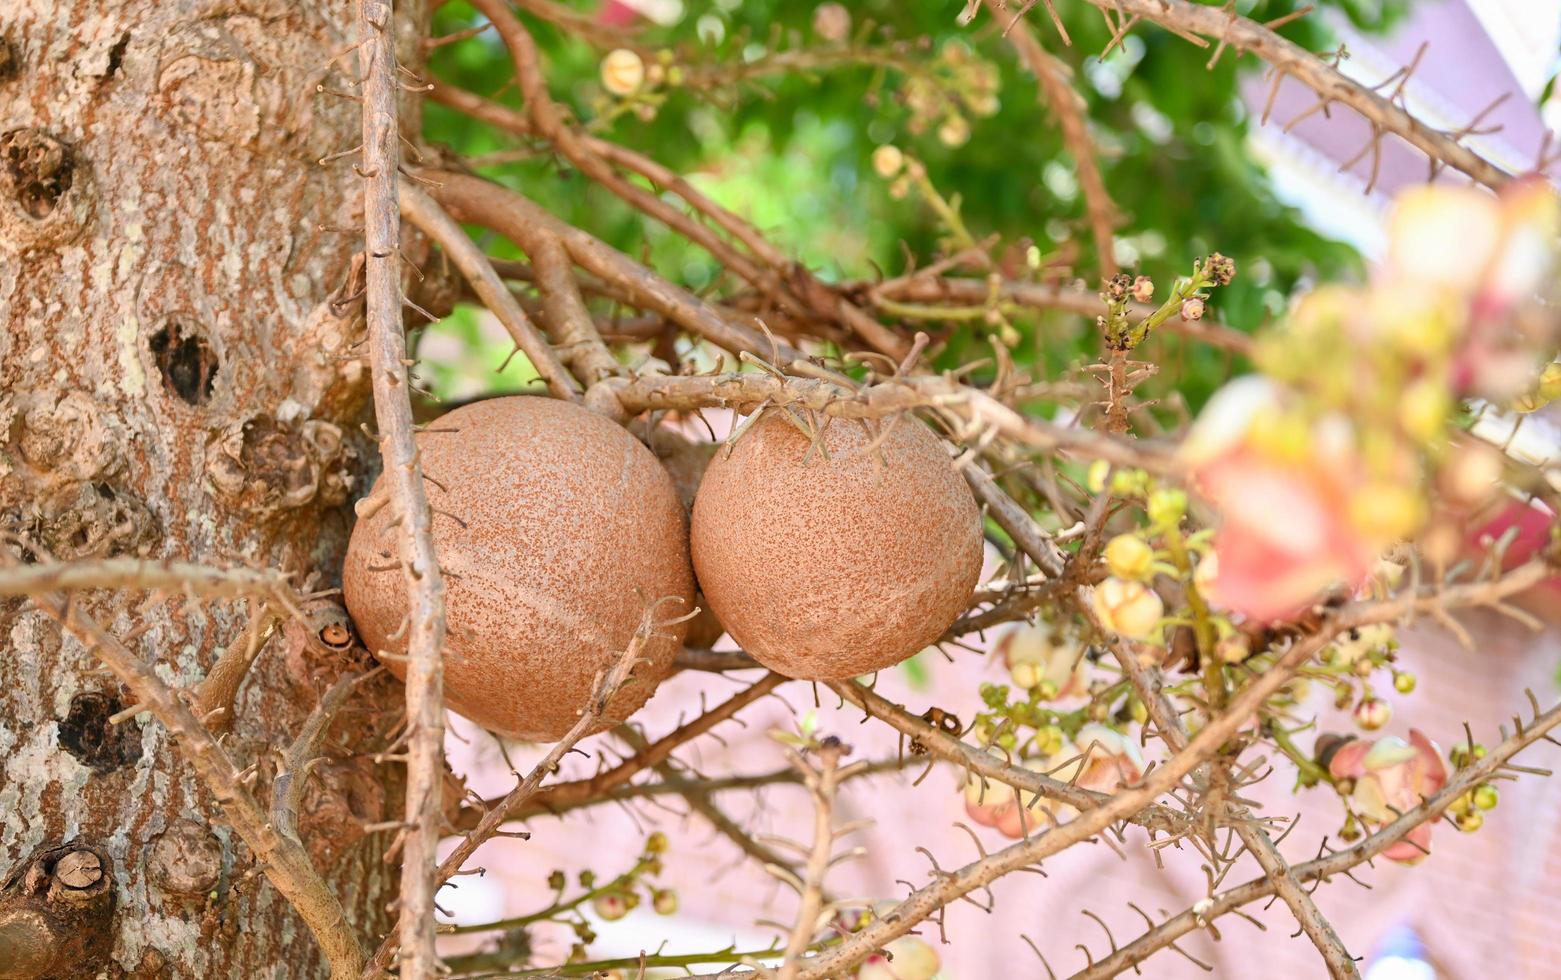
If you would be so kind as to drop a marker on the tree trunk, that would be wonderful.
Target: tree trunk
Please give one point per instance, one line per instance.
(176, 382)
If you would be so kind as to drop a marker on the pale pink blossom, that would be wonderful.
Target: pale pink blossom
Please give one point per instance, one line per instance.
(1111, 759)
(1036, 655)
(1390, 777)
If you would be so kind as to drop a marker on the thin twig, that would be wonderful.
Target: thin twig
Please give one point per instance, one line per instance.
(424, 212)
(403, 475)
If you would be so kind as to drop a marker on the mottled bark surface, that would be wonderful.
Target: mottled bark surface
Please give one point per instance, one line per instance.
(176, 382)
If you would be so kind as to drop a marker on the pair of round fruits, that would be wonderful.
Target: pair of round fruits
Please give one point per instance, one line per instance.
(557, 530)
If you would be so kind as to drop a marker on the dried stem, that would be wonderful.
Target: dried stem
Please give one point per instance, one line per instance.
(1052, 75)
(748, 391)
(161, 575)
(431, 220)
(477, 201)
(1185, 18)
(607, 684)
(298, 761)
(822, 782)
(564, 796)
(1168, 932)
(571, 322)
(403, 475)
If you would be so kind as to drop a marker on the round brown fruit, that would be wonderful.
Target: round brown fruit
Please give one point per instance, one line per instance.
(828, 568)
(571, 531)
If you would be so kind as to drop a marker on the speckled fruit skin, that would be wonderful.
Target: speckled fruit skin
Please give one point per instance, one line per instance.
(572, 529)
(833, 568)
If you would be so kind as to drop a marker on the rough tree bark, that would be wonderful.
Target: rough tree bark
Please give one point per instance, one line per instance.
(176, 381)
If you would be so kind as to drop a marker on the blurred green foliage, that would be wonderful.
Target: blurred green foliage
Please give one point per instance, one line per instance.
(792, 152)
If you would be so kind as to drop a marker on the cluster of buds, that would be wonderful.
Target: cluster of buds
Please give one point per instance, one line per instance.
(960, 85)
(1186, 300)
(1219, 269)
(1468, 811)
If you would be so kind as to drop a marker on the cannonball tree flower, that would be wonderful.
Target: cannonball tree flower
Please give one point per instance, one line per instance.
(1387, 776)
(1290, 498)
(907, 958)
(1100, 759)
(1110, 759)
(1012, 812)
(1482, 256)
(1038, 657)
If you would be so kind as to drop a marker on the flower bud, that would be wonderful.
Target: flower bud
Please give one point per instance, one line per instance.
(1404, 683)
(1128, 556)
(1372, 713)
(1486, 797)
(611, 907)
(656, 843)
(906, 958)
(1143, 289)
(1128, 607)
(1423, 408)
(1192, 308)
(1234, 648)
(1473, 474)
(1095, 479)
(664, 901)
(832, 22)
(1471, 821)
(887, 160)
(1167, 507)
(1220, 270)
(623, 72)
(954, 132)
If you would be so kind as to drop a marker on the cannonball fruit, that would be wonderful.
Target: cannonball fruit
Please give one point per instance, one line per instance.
(829, 567)
(556, 531)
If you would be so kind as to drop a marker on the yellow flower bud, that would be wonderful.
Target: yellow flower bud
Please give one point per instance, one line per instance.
(1128, 556)
(623, 72)
(887, 160)
(1167, 507)
(1386, 511)
(1127, 607)
(1423, 409)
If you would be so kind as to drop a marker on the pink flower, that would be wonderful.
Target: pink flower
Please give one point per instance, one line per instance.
(1014, 813)
(1392, 776)
(1285, 510)
(1530, 524)
(1109, 761)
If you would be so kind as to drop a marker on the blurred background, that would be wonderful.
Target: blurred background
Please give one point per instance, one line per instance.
(1192, 168)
